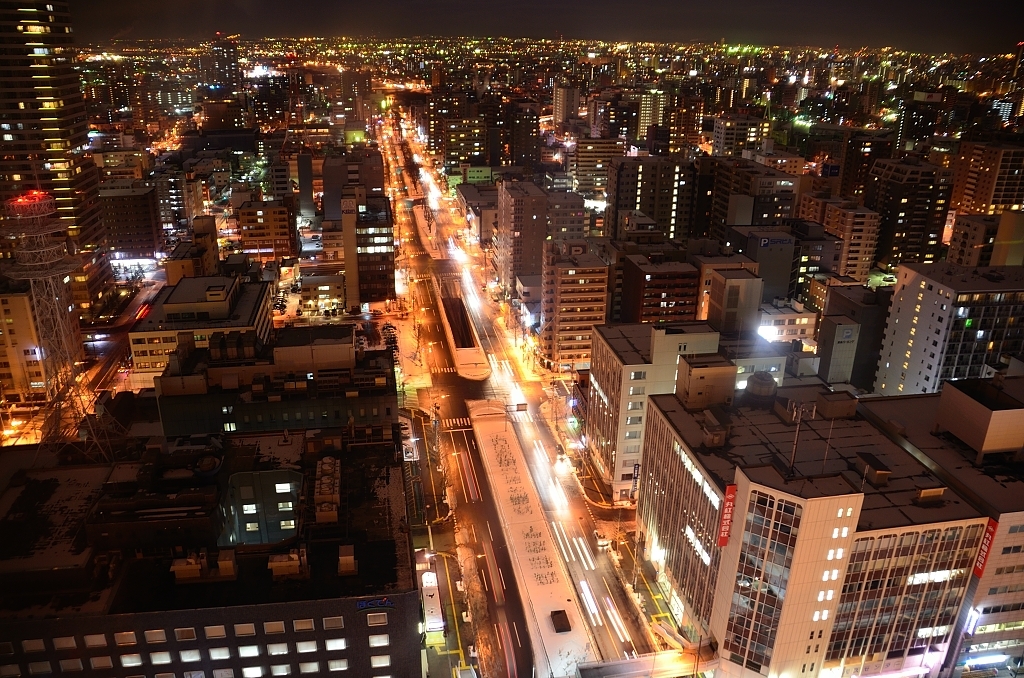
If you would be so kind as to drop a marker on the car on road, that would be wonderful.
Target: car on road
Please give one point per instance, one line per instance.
(603, 541)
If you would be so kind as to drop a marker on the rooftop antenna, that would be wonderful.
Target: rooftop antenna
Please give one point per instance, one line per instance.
(798, 410)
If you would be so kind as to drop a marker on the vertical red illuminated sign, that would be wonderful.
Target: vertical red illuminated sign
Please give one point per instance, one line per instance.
(728, 506)
(986, 545)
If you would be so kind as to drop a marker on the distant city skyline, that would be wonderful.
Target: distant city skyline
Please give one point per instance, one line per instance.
(991, 26)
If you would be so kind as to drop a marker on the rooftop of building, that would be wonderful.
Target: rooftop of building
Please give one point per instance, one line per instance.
(244, 313)
(791, 307)
(583, 260)
(478, 193)
(260, 204)
(184, 250)
(49, 507)
(737, 274)
(310, 335)
(523, 189)
(631, 342)
(967, 279)
(998, 481)
(720, 260)
(125, 192)
(660, 267)
(834, 457)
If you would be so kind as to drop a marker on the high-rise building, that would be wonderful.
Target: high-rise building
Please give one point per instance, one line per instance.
(442, 103)
(589, 160)
(974, 236)
(267, 229)
(652, 107)
(858, 228)
(684, 122)
(860, 150)
(630, 362)
(948, 322)
(788, 561)
(574, 286)
(521, 232)
(566, 101)
(368, 235)
(43, 135)
(133, 222)
(362, 166)
(916, 123)
(524, 136)
(912, 199)
(733, 133)
(464, 142)
(658, 291)
(658, 186)
(567, 216)
(224, 72)
(988, 178)
(746, 193)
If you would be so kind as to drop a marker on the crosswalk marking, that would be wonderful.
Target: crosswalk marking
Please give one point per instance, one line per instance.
(442, 370)
(457, 422)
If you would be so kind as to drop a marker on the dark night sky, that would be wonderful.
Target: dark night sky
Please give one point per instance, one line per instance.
(927, 25)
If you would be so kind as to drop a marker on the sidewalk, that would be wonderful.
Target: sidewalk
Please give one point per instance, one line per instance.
(415, 373)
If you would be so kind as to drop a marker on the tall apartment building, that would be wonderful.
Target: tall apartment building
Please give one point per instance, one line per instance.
(589, 161)
(912, 199)
(824, 561)
(566, 216)
(178, 198)
(746, 193)
(267, 229)
(858, 228)
(442, 103)
(566, 100)
(463, 142)
(860, 150)
(658, 291)
(630, 362)
(223, 71)
(368, 235)
(614, 253)
(359, 166)
(280, 181)
(733, 133)
(574, 287)
(521, 232)
(988, 178)
(524, 135)
(949, 322)
(658, 186)
(43, 136)
(132, 219)
(973, 238)
(652, 107)
(684, 122)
